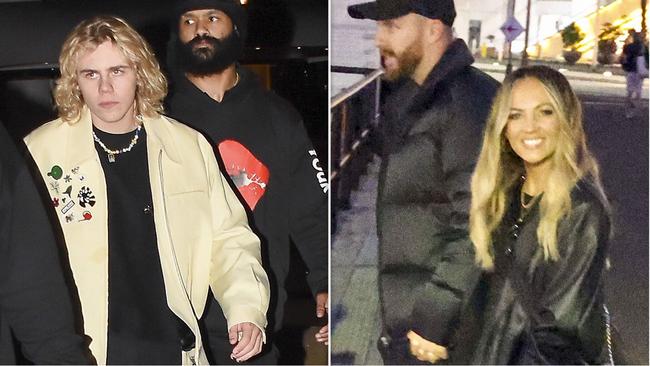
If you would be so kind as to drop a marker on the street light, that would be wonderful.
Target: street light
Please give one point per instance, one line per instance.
(511, 13)
(644, 26)
(594, 60)
(524, 55)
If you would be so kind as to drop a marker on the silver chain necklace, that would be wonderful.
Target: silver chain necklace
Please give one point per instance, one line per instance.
(112, 153)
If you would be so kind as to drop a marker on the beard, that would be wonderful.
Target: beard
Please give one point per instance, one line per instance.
(210, 58)
(406, 62)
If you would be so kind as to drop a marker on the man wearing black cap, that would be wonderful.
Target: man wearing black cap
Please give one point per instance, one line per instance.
(264, 148)
(428, 141)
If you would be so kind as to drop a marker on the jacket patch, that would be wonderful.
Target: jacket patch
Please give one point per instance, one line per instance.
(249, 174)
(86, 216)
(86, 197)
(54, 187)
(55, 172)
(72, 207)
(68, 206)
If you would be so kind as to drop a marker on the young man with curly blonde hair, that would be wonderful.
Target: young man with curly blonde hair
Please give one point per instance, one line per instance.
(150, 223)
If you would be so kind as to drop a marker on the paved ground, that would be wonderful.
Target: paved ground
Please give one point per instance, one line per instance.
(620, 144)
(355, 322)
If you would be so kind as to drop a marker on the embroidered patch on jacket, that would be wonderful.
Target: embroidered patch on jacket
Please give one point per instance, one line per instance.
(55, 172)
(71, 200)
(86, 197)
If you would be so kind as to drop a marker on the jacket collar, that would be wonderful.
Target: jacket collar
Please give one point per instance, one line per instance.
(456, 58)
(411, 99)
(80, 145)
(418, 98)
(160, 136)
(247, 81)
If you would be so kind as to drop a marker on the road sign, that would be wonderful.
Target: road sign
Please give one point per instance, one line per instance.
(511, 28)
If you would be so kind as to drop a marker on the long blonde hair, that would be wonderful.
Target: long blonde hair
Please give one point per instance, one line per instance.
(151, 84)
(499, 168)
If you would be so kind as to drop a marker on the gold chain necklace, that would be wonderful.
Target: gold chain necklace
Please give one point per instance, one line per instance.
(112, 153)
(522, 197)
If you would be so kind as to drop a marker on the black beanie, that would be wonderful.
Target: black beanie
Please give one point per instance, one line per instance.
(232, 8)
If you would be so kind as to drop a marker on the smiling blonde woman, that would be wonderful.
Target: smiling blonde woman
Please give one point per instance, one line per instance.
(540, 225)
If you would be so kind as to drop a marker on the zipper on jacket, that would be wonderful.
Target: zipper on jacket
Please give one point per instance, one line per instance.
(102, 181)
(169, 234)
(171, 243)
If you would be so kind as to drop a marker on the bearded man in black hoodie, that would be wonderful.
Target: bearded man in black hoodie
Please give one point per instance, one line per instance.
(263, 146)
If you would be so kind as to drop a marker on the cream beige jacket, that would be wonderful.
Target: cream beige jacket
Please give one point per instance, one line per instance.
(203, 236)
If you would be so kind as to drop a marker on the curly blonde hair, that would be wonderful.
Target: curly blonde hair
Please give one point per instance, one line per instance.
(499, 168)
(151, 84)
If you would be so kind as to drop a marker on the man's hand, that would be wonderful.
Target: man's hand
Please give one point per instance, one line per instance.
(425, 350)
(247, 338)
(323, 335)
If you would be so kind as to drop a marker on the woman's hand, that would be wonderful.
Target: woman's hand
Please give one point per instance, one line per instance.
(425, 350)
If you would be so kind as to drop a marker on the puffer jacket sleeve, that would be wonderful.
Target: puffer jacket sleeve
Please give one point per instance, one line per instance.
(437, 312)
(237, 278)
(572, 327)
(307, 202)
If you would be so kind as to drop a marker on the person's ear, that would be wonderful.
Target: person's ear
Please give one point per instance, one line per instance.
(434, 30)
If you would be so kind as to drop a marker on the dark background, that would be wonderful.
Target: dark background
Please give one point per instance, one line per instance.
(287, 39)
(288, 36)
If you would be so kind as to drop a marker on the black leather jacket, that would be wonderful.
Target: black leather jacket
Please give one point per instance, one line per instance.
(568, 326)
(429, 142)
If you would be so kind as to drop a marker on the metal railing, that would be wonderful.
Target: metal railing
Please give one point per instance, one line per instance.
(355, 113)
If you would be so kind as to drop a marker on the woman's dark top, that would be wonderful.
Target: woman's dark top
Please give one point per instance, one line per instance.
(566, 295)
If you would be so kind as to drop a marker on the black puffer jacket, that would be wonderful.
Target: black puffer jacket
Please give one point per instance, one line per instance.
(564, 323)
(429, 143)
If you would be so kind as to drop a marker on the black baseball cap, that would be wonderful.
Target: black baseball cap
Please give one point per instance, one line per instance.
(443, 10)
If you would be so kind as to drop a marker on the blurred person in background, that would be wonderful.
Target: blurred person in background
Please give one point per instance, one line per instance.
(634, 63)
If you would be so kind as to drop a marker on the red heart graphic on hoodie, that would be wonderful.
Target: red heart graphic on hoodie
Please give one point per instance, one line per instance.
(249, 174)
